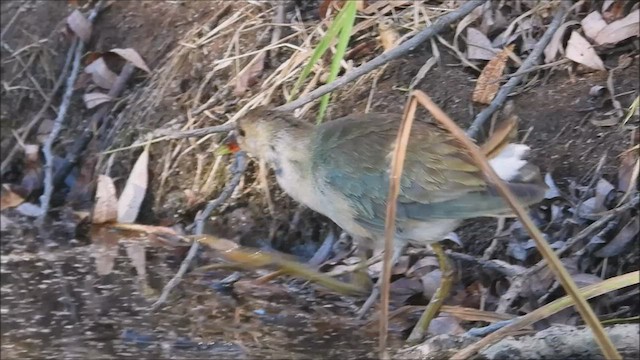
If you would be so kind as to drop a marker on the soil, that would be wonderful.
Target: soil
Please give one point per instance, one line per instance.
(552, 116)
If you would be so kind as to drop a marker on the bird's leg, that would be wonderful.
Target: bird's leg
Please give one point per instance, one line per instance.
(360, 277)
(398, 249)
(438, 298)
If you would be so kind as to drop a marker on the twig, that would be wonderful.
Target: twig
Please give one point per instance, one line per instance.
(397, 52)
(36, 119)
(586, 312)
(516, 78)
(57, 124)
(20, 10)
(239, 167)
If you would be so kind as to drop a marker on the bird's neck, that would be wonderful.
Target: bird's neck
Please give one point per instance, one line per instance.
(291, 152)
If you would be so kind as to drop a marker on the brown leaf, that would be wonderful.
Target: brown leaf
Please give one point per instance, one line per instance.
(479, 46)
(615, 12)
(249, 75)
(106, 206)
(133, 57)
(9, 199)
(101, 74)
(134, 190)
(619, 30)
(580, 51)
(79, 25)
(627, 172)
(488, 82)
(323, 8)
(94, 99)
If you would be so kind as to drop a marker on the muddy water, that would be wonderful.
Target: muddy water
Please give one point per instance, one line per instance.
(54, 306)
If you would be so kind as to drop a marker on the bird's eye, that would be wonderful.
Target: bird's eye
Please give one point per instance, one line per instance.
(241, 132)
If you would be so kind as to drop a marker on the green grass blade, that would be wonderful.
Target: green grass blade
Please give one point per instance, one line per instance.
(341, 49)
(320, 49)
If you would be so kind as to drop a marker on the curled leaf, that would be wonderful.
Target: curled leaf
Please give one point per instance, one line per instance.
(134, 190)
(79, 25)
(488, 82)
(580, 51)
(133, 57)
(106, 206)
(94, 99)
(101, 74)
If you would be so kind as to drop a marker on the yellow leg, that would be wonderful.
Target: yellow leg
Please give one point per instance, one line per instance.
(438, 298)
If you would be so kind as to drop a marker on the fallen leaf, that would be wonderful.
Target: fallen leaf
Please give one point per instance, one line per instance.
(555, 45)
(619, 30)
(106, 206)
(466, 21)
(94, 99)
(133, 57)
(79, 25)
(323, 8)
(616, 12)
(388, 35)
(8, 198)
(445, 324)
(592, 24)
(29, 209)
(479, 46)
(488, 82)
(619, 243)
(134, 190)
(627, 172)
(248, 76)
(580, 51)
(101, 74)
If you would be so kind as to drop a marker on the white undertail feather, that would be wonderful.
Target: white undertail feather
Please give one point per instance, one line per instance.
(509, 161)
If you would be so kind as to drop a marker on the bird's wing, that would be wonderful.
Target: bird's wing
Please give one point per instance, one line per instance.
(439, 181)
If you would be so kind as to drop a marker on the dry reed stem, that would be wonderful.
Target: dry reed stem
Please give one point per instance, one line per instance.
(547, 252)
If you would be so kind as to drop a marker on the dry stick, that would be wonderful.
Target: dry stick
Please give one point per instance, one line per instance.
(397, 164)
(43, 110)
(57, 124)
(609, 351)
(277, 30)
(516, 78)
(239, 167)
(397, 52)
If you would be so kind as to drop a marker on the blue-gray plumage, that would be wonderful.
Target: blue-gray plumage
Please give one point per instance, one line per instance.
(340, 169)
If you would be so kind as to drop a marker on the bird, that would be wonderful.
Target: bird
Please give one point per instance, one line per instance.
(340, 169)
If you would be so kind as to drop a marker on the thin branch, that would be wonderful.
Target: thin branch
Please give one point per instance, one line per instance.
(397, 52)
(57, 124)
(238, 170)
(516, 78)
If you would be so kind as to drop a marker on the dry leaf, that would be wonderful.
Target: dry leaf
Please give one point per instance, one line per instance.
(622, 239)
(134, 190)
(466, 21)
(619, 30)
(616, 12)
(488, 82)
(592, 24)
(479, 46)
(101, 74)
(106, 206)
(580, 51)
(79, 25)
(94, 99)
(133, 57)
(627, 173)
(555, 44)
(388, 35)
(323, 8)
(9, 199)
(248, 76)
(33, 173)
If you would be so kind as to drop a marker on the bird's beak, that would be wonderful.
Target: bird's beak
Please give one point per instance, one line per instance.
(229, 145)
